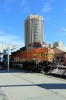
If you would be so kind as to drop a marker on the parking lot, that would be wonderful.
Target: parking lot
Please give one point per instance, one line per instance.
(20, 85)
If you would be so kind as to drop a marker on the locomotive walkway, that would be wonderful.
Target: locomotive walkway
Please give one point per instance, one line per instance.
(21, 85)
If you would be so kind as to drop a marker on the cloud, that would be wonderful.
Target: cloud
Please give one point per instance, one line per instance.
(47, 18)
(62, 33)
(26, 9)
(8, 4)
(11, 39)
(1, 32)
(24, 6)
(64, 29)
(46, 8)
(23, 3)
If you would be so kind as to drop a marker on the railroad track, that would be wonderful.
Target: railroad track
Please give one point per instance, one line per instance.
(53, 75)
(56, 76)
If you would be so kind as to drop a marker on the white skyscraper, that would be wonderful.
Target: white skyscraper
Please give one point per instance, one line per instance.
(33, 29)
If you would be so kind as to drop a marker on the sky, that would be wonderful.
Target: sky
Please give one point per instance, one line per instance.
(14, 12)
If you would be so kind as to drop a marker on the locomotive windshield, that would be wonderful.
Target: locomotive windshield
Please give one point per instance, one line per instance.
(37, 45)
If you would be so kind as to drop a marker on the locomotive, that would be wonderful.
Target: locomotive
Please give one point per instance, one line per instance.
(38, 57)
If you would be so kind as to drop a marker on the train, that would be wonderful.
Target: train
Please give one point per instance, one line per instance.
(38, 57)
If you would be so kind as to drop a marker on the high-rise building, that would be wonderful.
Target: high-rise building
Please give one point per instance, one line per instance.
(33, 29)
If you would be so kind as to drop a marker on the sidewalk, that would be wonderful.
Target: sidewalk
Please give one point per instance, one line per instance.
(20, 85)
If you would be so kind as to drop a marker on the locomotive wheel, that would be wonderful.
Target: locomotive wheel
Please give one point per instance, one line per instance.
(44, 70)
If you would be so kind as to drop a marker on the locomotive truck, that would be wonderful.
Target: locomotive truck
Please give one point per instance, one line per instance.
(38, 57)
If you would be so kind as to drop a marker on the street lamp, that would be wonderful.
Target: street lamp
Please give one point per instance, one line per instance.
(8, 56)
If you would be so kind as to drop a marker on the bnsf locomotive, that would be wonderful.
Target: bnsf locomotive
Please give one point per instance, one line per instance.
(37, 58)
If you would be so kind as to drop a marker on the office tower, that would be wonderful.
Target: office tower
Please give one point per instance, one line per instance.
(33, 29)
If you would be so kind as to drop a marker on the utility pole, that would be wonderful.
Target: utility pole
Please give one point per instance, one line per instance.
(8, 58)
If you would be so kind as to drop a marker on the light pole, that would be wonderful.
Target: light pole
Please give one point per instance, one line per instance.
(8, 56)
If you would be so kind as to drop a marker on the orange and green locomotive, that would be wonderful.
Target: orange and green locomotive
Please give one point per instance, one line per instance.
(38, 57)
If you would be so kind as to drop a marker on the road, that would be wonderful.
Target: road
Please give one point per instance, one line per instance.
(20, 85)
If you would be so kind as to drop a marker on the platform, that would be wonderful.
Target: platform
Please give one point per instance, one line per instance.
(21, 85)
